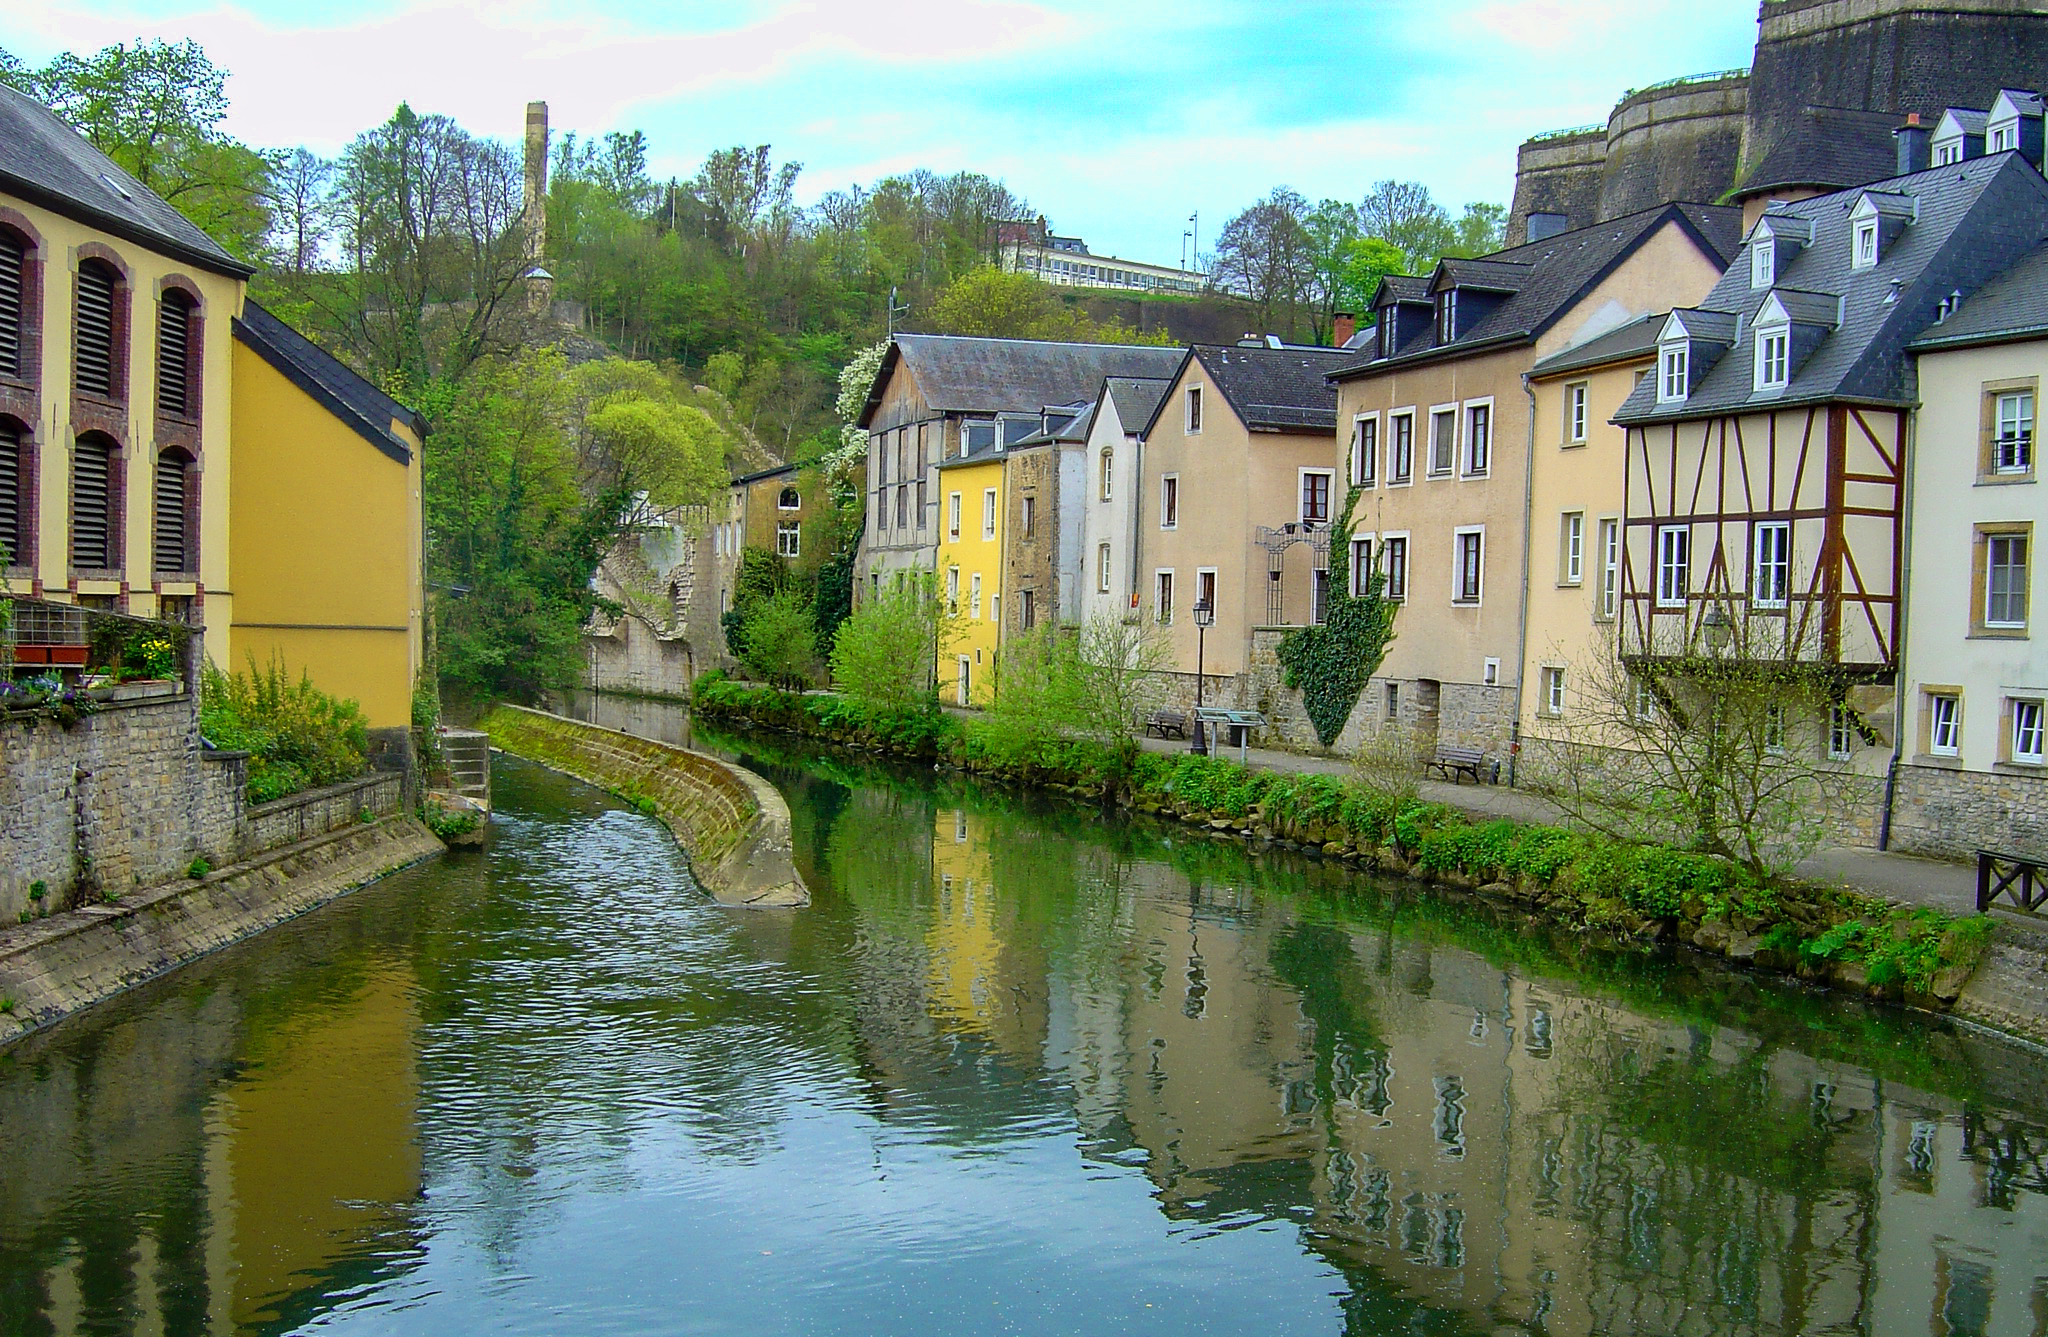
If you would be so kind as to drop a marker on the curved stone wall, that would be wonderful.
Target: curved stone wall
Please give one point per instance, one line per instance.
(1678, 141)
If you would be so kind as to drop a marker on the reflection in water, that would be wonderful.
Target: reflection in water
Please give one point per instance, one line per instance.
(1018, 1069)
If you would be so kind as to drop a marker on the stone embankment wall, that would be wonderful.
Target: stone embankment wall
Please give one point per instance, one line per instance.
(731, 822)
(55, 966)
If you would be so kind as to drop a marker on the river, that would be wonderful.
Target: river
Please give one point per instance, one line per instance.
(1019, 1069)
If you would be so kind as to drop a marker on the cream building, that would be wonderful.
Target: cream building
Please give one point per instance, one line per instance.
(1112, 551)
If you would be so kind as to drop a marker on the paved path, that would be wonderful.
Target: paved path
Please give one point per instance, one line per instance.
(1900, 877)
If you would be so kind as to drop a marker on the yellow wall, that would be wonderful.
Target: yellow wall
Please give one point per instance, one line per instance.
(325, 547)
(972, 554)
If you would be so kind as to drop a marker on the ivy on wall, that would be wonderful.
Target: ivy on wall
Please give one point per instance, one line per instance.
(1331, 663)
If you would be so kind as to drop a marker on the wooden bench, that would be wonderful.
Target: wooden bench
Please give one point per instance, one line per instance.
(1452, 762)
(1164, 723)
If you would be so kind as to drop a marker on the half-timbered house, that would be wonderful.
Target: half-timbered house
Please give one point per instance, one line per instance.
(1767, 449)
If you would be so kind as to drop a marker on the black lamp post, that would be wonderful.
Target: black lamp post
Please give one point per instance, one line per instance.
(1204, 615)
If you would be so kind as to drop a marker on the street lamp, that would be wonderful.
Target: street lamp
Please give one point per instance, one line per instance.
(1205, 613)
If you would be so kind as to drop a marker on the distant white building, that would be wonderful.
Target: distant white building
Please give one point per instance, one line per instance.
(1030, 249)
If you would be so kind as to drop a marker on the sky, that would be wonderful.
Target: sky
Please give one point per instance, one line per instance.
(1117, 119)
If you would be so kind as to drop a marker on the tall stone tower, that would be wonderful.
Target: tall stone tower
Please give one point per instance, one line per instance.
(534, 199)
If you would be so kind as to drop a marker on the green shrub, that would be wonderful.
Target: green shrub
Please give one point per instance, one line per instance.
(297, 736)
(197, 869)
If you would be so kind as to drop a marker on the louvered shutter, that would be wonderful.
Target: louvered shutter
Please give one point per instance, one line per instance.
(11, 497)
(13, 259)
(170, 513)
(91, 506)
(94, 343)
(173, 334)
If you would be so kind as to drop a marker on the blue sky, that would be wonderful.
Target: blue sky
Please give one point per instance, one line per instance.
(1116, 118)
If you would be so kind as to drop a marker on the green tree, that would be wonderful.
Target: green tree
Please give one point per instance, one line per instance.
(885, 656)
(992, 303)
(782, 640)
(1367, 260)
(1267, 256)
(1330, 663)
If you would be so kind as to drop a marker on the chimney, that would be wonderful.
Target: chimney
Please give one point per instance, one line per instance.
(1342, 326)
(1912, 137)
(534, 199)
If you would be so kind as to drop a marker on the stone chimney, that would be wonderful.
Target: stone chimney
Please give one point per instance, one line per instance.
(1342, 326)
(1913, 151)
(534, 200)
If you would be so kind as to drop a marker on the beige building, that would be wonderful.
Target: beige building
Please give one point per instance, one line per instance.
(1436, 427)
(1235, 498)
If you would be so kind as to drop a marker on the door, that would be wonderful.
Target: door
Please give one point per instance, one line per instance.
(966, 683)
(1428, 696)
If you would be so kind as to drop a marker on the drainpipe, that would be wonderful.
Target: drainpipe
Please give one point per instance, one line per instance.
(1522, 627)
(1891, 772)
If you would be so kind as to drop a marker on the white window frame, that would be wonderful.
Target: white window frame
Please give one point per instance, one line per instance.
(1169, 501)
(974, 596)
(2025, 738)
(1365, 450)
(1775, 593)
(1468, 441)
(1191, 411)
(1329, 477)
(1108, 488)
(1553, 691)
(1397, 589)
(988, 513)
(1841, 740)
(1458, 537)
(1948, 153)
(1578, 398)
(1450, 465)
(1609, 532)
(1405, 479)
(1944, 724)
(2003, 138)
(1863, 247)
(1489, 672)
(789, 537)
(2021, 437)
(1361, 571)
(953, 516)
(1572, 542)
(1674, 371)
(1665, 536)
(1206, 575)
(1162, 596)
(1773, 370)
(953, 590)
(2024, 566)
(1763, 261)
(781, 505)
(1102, 568)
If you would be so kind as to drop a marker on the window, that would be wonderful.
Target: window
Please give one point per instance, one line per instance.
(1774, 728)
(1169, 501)
(1319, 596)
(789, 538)
(1773, 358)
(1108, 474)
(788, 500)
(1030, 516)
(1102, 568)
(1841, 732)
(1193, 409)
(1469, 546)
(1572, 549)
(1447, 316)
(14, 495)
(1645, 703)
(953, 515)
(1401, 448)
(1026, 615)
(1205, 588)
(1394, 556)
(2013, 446)
(1365, 450)
(1443, 440)
(1948, 154)
(902, 506)
(953, 590)
(1315, 496)
(2026, 733)
(1361, 567)
(1763, 263)
(92, 499)
(174, 355)
(2005, 580)
(1575, 397)
(1864, 254)
(1610, 567)
(977, 434)
(1674, 566)
(2004, 138)
(1674, 384)
(988, 513)
(924, 457)
(1478, 439)
(1393, 701)
(1770, 565)
(919, 508)
(96, 369)
(171, 551)
(1553, 691)
(1944, 725)
(1489, 672)
(13, 303)
(1162, 607)
(974, 596)
(881, 508)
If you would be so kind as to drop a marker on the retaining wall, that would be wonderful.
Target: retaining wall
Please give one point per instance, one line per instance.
(732, 823)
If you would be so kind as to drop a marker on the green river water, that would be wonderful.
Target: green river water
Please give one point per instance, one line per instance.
(1021, 1068)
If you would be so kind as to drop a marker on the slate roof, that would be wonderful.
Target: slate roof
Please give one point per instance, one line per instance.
(1975, 219)
(1636, 339)
(963, 375)
(1827, 147)
(1559, 270)
(44, 160)
(758, 475)
(1136, 398)
(1064, 422)
(367, 411)
(1404, 288)
(2012, 306)
(1487, 275)
(1284, 389)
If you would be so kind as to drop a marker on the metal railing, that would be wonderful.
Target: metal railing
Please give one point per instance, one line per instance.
(2022, 881)
(44, 634)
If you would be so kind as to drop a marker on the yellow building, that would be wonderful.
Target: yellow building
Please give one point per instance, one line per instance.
(169, 449)
(971, 572)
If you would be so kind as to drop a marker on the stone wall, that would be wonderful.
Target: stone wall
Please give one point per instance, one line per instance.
(732, 823)
(631, 656)
(1955, 813)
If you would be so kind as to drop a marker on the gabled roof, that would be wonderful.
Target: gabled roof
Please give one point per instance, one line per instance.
(1560, 270)
(1136, 398)
(1401, 288)
(963, 375)
(47, 162)
(1961, 121)
(1632, 342)
(2012, 306)
(1800, 308)
(761, 475)
(2014, 102)
(1284, 389)
(1693, 323)
(1484, 275)
(1824, 147)
(1975, 219)
(367, 411)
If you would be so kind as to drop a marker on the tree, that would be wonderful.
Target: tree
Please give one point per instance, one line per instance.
(1330, 663)
(1265, 255)
(1367, 260)
(992, 303)
(301, 219)
(1406, 216)
(155, 108)
(1481, 229)
(634, 430)
(885, 657)
(782, 640)
(1332, 228)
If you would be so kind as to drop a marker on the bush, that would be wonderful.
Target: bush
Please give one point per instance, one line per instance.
(782, 641)
(297, 736)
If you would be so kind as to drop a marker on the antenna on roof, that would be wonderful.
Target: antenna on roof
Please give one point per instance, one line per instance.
(895, 310)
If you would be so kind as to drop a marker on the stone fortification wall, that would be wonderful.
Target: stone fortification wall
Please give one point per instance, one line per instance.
(1558, 173)
(733, 824)
(1954, 813)
(1677, 141)
(630, 656)
(52, 967)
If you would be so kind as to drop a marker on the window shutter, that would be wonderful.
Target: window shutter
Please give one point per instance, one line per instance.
(13, 259)
(173, 333)
(91, 506)
(95, 336)
(11, 496)
(170, 513)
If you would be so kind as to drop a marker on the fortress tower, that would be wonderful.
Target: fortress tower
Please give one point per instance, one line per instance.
(1830, 81)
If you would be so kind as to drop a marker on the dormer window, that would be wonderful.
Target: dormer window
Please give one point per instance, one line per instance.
(1763, 258)
(1387, 319)
(1773, 358)
(1864, 254)
(1674, 378)
(1949, 154)
(1447, 316)
(2004, 138)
